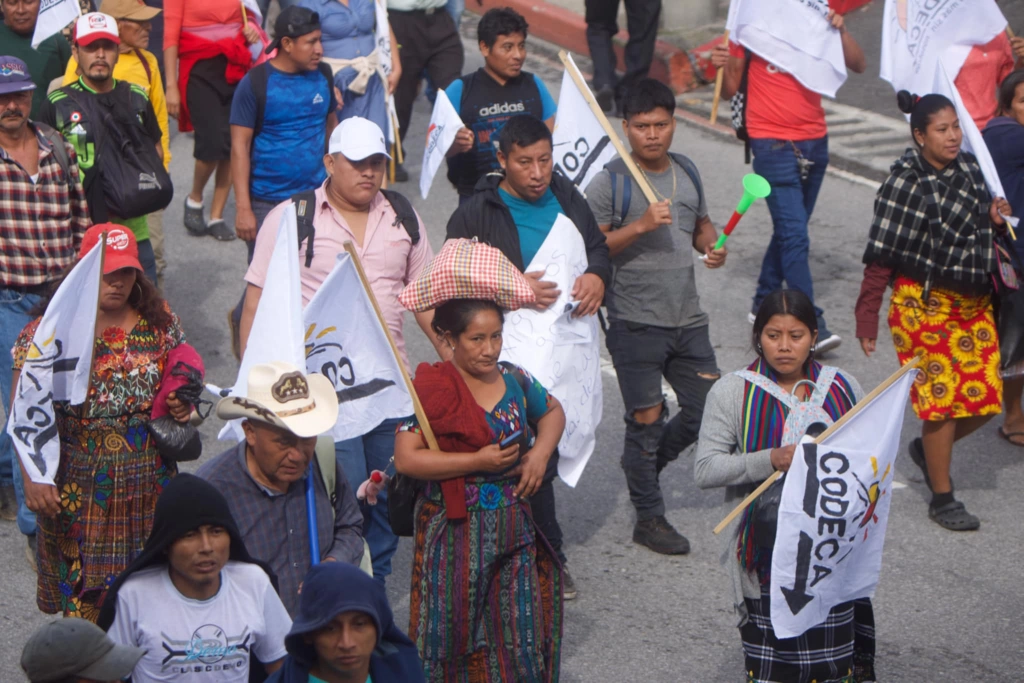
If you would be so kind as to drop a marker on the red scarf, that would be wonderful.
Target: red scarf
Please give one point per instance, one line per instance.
(192, 48)
(458, 422)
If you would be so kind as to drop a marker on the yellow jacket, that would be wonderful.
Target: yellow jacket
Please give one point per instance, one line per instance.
(129, 68)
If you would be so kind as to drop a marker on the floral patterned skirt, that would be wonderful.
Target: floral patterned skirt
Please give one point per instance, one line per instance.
(109, 478)
(956, 335)
(486, 598)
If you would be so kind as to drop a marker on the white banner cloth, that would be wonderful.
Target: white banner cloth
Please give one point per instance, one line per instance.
(833, 515)
(276, 333)
(347, 345)
(53, 16)
(444, 124)
(924, 44)
(793, 35)
(57, 367)
(562, 352)
(580, 145)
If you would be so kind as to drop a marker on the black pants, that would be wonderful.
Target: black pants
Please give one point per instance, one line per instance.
(542, 505)
(642, 25)
(429, 41)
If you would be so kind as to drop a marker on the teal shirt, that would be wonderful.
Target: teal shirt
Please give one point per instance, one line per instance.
(533, 220)
(45, 63)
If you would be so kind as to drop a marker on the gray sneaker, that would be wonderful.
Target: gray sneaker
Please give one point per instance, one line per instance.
(8, 503)
(568, 585)
(194, 221)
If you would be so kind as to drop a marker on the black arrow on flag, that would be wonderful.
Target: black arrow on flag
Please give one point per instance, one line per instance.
(797, 596)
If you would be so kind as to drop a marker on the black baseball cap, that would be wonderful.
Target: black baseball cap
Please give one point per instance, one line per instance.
(293, 22)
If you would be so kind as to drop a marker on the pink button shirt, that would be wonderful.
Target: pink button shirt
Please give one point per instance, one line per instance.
(390, 259)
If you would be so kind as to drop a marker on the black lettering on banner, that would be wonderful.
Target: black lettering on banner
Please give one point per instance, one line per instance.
(827, 542)
(843, 460)
(338, 368)
(811, 485)
(820, 572)
(835, 526)
(575, 164)
(834, 506)
(797, 596)
(834, 486)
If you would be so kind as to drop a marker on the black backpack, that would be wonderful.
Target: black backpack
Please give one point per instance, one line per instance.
(135, 182)
(259, 76)
(739, 108)
(305, 209)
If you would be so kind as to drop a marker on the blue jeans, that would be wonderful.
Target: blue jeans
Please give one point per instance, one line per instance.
(791, 204)
(147, 259)
(14, 315)
(358, 457)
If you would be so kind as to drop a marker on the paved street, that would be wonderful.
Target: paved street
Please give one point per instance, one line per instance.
(946, 603)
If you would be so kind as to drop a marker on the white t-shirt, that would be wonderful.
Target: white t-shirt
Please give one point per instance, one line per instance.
(188, 640)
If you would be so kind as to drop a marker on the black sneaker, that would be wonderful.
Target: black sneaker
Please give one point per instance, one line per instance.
(568, 585)
(401, 175)
(660, 536)
(605, 97)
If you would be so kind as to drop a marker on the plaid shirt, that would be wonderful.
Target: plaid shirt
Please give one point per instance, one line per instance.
(42, 222)
(274, 526)
(934, 225)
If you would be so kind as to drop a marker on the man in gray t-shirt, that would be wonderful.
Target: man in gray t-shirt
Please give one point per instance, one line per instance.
(656, 327)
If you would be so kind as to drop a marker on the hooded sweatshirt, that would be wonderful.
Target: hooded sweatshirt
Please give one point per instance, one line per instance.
(330, 589)
(1004, 138)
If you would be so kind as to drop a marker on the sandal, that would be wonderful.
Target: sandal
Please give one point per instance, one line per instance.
(1009, 436)
(195, 224)
(954, 516)
(220, 230)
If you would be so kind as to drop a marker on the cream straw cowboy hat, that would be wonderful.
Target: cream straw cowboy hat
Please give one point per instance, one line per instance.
(279, 394)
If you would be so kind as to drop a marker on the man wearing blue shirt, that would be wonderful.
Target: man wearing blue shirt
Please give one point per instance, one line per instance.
(282, 115)
(490, 96)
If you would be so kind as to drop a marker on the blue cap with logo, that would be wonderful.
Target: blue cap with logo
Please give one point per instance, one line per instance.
(14, 75)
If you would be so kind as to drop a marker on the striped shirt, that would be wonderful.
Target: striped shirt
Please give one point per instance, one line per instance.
(41, 221)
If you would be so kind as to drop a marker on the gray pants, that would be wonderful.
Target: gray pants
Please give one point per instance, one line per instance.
(642, 355)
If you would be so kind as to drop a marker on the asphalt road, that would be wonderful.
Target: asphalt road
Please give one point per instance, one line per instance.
(946, 604)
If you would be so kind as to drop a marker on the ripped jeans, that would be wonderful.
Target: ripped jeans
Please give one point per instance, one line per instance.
(642, 355)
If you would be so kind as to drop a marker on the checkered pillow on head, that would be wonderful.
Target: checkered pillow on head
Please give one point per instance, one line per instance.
(467, 269)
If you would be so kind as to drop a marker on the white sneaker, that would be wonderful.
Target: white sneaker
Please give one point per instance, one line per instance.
(751, 318)
(832, 341)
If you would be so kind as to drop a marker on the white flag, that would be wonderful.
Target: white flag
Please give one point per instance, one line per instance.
(833, 514)
(382, 36)
(53, 16)
(347, 345)
(924, 44)
(444, 124)
(252, 10)
(793, 35)
(276, 333)
(581, 146)
(561, 352)
(57, 367)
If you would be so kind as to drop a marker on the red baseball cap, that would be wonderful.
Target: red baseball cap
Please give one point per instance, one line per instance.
(122, 249)
(95, 26)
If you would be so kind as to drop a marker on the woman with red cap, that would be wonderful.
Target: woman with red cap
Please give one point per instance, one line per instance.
(95, 520)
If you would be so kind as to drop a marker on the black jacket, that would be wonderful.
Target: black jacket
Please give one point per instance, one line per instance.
(486, 218)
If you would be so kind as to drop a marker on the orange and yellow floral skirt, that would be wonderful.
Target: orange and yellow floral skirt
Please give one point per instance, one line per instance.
(956, 335)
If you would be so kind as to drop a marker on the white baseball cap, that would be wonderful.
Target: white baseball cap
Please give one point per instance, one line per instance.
(357, 138)
(96, 26)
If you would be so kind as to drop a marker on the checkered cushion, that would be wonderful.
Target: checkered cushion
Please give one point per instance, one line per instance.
(467, 269)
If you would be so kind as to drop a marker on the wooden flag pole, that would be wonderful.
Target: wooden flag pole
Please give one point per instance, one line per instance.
(581, 85)
(245, 16)
(719, 78)
(421, 416)
(892, 379)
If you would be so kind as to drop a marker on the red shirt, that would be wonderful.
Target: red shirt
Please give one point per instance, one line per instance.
(979, 78)
(778, 106)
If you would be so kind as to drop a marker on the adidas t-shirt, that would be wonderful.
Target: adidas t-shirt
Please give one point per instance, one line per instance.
(288, 151)
(201, 641)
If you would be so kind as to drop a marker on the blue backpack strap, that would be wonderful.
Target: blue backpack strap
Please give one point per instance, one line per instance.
(622, 191)
(691, 171)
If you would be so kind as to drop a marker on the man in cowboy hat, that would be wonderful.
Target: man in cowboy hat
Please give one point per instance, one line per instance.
(263, 477)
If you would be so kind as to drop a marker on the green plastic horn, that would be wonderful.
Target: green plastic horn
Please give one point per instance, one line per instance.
(754, 187)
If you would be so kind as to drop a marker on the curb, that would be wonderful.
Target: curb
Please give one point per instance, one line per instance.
(568, 30)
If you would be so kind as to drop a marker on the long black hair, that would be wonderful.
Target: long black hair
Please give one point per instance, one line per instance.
(1008, 90)
(921, 110)
(144, 298)
(784, 302)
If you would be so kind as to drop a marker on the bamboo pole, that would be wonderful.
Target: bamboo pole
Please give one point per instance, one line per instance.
(833, 428)
(245, 16)
(581, 85)
(719, 78)
(421, 416)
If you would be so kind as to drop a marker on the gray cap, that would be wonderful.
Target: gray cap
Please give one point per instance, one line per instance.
(76, 647)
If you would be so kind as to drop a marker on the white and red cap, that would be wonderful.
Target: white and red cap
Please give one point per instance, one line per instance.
(96, 26)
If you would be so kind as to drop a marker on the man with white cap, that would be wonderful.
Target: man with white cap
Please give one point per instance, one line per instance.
(392, 244)
(76, 650)
(263, 477)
